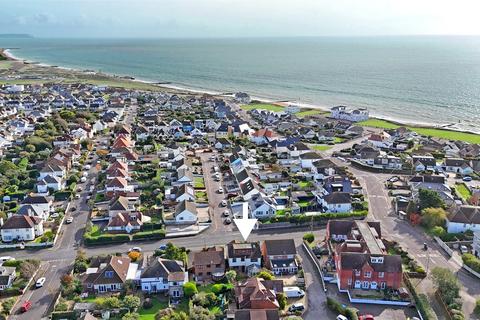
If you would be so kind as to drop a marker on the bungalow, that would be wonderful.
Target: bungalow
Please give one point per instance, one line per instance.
(262, 207)
(463, 218)
(307, 159)
(127, 222)
(186, 213)
(457, 165)
(381, 140)
(21, 228)
(184, 193)
(340, 202)
(222, 144)
(424, 163)
(162, 275)
(109, 275)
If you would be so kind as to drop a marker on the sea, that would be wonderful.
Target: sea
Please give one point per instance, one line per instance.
(431, 80)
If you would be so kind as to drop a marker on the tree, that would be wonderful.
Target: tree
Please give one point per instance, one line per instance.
(200, 313)
(131, 316)
(129, 286)
(265, 275)
(446, 284)
(27, 270)
(66, 280)
(171, 316)
(282, 300)
(111, 303)
(134, 255)
(174, 253)
(433, 217)
(309, 237)
(190, 289)
(231, 275)
(131, 302)
(429, 199)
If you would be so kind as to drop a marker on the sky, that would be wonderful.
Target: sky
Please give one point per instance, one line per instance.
(238, 18)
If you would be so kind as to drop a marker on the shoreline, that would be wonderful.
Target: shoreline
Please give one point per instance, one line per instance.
(128, 78)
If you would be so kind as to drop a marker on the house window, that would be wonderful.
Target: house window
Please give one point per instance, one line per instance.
(108, 274)
(357, 273)
(365, 285)
(358, 284)
(349, 282)
(368, 274)
(381, 274)
(383, 285)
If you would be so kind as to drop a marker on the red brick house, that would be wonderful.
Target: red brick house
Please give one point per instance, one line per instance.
(360, 256)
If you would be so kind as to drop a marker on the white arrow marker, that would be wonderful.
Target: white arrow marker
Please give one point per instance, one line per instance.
(245, 225)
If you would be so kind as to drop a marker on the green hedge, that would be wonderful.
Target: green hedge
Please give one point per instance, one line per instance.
(301, 218)
(421, 301)
(155, 234)
(106, 238)
(62, 196)
(471, 261)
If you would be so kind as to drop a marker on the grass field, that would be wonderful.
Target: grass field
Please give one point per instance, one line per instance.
(431, 132)
(307, 113)
(262, 106)
(5, 64)
(321, 147)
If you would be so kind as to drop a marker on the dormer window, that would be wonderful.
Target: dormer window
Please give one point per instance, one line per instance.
(376, 259)
(108, 274)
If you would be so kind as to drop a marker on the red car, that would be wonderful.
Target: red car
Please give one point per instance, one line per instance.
(366, 317)
(26, 306)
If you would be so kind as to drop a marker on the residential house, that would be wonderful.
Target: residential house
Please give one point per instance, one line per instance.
(279, 256)
(457, 165)
(7, 276)
(127, 222)
(361, 258)
(50, 182)
(244, 257)
(42, 205)
(355, 115)
(208, 264)
(21, 228)
(338, 202)
(463, 218)
(163, 276)
(424, 163)
(256, 293)
(186, 212)
(109, 275)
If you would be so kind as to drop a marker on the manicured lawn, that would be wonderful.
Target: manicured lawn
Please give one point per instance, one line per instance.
(463, 191)
(198, 183)
(262, 106)
(149, 314)
(321, 147)
(307, 113)
(431, 132)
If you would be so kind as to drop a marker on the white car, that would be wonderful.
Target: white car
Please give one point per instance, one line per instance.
(88, 167)
(6, 258)
(226, 213)
(341, 317)
(40, 282)
(463, 249)
(137, 249)
(223, 203)
(69, 220)
(220, 190)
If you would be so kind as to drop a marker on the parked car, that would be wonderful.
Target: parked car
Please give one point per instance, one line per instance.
(162, 247)
(228, 221)
(83, 179)
(296, 307)
(6, 258)
(467, 179)
(293, 292)
(40, 282)
(341, 317)
(137, 249)
(26, 306)
(463, 249)
(73, 209)
(220, 190)
(69, 220)
(226, 213)
(232, 195)
(54, 215)
(88, 167)
(224, 203)
(366, 317)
